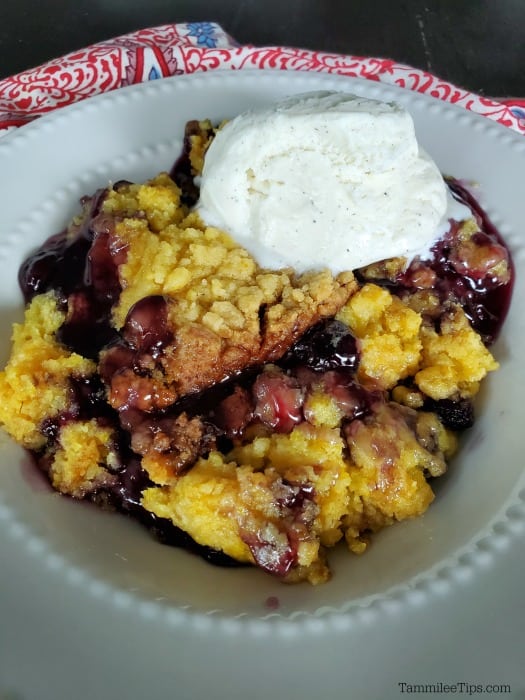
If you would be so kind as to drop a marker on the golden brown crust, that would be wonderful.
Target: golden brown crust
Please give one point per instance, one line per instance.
(199, 357)
(225, 312)
(171, 448)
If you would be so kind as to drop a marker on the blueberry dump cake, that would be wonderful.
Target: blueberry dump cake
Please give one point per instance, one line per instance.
(254, 415)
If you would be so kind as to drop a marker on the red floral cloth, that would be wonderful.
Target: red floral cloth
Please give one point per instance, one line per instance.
(175, 49)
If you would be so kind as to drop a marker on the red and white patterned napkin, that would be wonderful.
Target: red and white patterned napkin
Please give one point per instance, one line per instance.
(175, 49)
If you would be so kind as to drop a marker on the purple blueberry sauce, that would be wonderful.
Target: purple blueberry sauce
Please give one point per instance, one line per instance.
(327, 345)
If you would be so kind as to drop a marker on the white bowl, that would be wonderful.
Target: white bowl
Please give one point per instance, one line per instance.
(136, 132)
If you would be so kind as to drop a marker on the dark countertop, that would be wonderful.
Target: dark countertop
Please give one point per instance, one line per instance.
(477, 44)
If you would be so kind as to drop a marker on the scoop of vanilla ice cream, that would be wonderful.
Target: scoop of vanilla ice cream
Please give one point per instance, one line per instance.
(323, 179)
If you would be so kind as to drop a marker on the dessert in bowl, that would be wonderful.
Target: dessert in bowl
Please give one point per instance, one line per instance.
(265, 414)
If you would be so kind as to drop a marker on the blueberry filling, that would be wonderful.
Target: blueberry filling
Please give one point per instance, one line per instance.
(456, 415)
(328, 345)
